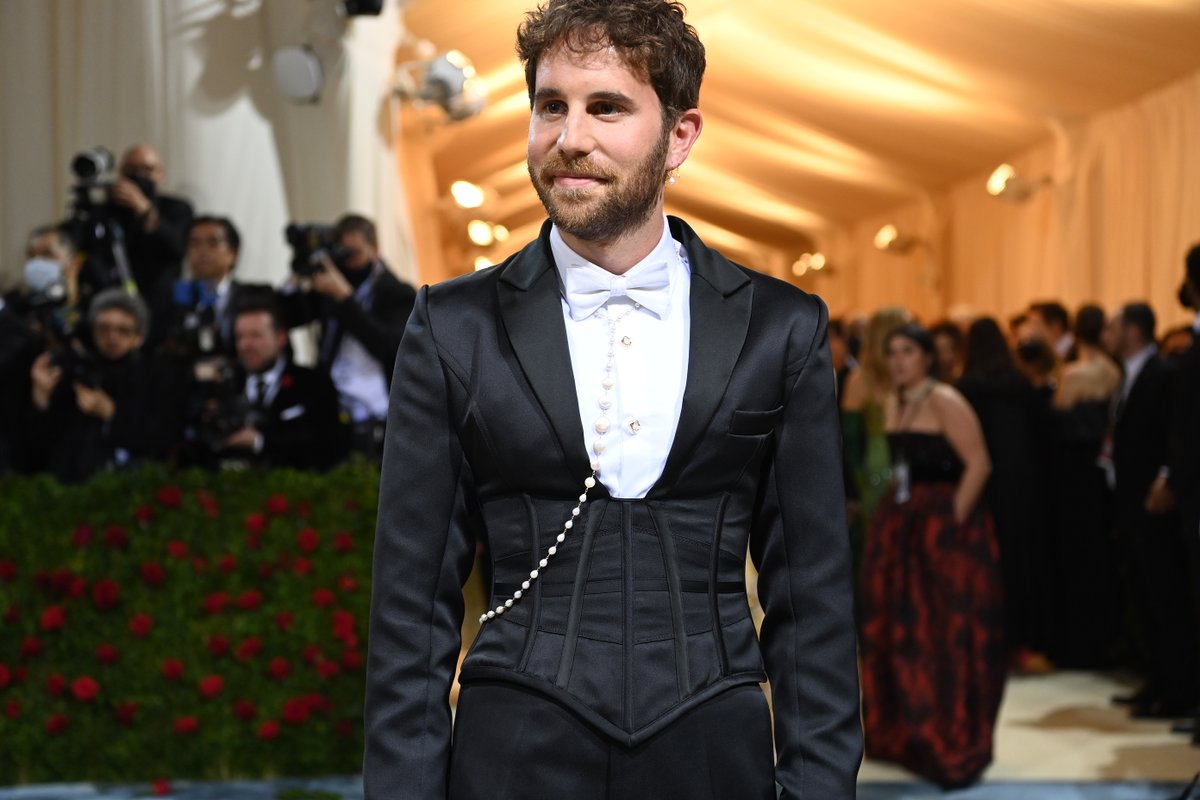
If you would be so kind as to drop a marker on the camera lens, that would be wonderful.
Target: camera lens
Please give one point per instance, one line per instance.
(92, 163)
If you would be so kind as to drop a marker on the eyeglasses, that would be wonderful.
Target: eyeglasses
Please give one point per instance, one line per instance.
(114, 329)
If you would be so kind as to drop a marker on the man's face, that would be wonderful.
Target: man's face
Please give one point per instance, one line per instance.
(947, 353)
(209, 255)
(360, 253)
(258, 341)
(48, 246)
(598, 150)
(115, 334)
(142, 162)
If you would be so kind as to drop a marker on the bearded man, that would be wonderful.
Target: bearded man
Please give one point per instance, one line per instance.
(620, 414)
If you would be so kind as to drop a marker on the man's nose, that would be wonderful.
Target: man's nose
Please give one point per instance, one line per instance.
(576, 138)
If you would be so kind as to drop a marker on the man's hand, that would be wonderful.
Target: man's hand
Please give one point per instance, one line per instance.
(245, 438)
(94, 402)
(127, 193)
(44, 376)
(329, 281)
(1160, 499)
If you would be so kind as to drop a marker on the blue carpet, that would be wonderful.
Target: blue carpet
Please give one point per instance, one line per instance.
(350, 788)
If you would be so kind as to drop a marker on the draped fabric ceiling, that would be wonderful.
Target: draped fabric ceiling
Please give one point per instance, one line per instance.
(821, 113)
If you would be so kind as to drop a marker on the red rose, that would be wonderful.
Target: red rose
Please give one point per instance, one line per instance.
(279, 668)
(170, 496)
(342, 542)
(256, 523)
(249, 600)
(30, 648)
(245, 710)
(323, 598)
(352, 659)
(56, 684)
(177, 549)
(57, 724)
(107, 654)
(318, 703)
(296, 711)
(162, 788)
(218, 645)
(5, 675)
(12, 709)
(85, 688)
(207, 504)
(12, 614)
(227, 563)
(284, 619)
(106, 594)
(311, 653)
(303, 509)
(8, 571)
(186, 725)
(328, 669)
(268, 730)
(76, 587)
(54, 618)
(247, 649)
(172, 669)
(347, 583)
(211, 685)
(307, 540)
(286, 381)
(141, 625)
(114, 537)
(82, 536)
(277, 505)
(153, 574)
(302, 566)
(125, 712)
(144, 513)
(343, 624)
(215, 603)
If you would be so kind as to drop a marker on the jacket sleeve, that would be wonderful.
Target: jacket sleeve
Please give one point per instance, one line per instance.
(800, 546)
(423, 554)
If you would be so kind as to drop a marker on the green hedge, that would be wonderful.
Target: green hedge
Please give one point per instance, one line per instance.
(163, 625)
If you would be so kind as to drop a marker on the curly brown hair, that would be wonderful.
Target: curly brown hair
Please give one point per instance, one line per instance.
(650, 35)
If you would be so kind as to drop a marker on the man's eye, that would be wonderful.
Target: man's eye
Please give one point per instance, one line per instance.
(553, 107)
(606, 109)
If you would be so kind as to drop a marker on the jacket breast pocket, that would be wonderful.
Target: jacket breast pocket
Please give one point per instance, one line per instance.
(754, 423)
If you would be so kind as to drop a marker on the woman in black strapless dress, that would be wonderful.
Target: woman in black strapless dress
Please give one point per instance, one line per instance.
(932, 643)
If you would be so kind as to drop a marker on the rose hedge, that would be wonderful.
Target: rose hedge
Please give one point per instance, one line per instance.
(158, 625)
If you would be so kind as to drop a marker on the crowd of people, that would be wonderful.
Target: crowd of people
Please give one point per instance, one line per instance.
(1021, 500)
(132, 339)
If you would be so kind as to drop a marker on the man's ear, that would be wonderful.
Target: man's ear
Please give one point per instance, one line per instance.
(683, 136)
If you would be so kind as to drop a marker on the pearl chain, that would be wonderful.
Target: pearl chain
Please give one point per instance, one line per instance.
(602, 426)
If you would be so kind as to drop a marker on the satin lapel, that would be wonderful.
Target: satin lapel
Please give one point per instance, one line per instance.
(720, 316)
(531, 310)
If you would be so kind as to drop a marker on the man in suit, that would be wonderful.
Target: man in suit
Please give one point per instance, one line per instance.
(291, 418)
(1156, 555)
(1180, 486)
(617, 412)
(363, 308)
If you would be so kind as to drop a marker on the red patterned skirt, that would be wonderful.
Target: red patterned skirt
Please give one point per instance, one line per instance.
(932, 639)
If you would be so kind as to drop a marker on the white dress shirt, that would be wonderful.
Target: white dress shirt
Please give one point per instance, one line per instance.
(360, 380)
(650, 368)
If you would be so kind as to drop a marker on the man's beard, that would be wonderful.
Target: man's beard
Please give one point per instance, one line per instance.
(624, 202)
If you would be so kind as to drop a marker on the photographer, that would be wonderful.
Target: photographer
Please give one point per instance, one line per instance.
(363, 308)
(92, 410)
(283, 415)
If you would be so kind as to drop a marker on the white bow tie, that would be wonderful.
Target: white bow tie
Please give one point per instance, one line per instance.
(588, 288)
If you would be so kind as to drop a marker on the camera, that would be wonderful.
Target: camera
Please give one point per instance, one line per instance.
(310, 243)
(215, 410)
(97, 223)
(78, 366)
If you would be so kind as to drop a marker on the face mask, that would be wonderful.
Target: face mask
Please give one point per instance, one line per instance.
(42, 273)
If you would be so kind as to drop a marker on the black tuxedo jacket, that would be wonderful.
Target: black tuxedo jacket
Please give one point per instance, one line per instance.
(1140, 437)
(300, 425)
(642, 614)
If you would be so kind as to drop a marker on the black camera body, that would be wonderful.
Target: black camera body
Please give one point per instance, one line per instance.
(310, 243)
(78, 366)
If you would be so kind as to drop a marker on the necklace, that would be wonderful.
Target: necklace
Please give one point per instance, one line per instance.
(602, 425)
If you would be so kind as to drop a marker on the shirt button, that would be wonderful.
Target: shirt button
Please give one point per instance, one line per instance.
(632, 425)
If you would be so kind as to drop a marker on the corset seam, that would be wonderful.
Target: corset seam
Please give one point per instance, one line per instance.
(666, 548)
(627, 574)
(714, 572)
(535, 612)
(571, 635)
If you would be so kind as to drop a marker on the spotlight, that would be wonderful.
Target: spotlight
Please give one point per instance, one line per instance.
(1004, 182)
(890, 239)
(448, 81)
(466, 194)
(482, 262)
(808, 262)
(480, 233)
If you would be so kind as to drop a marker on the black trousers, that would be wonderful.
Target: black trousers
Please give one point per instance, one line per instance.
(511, 743)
